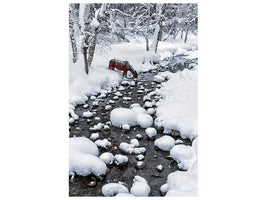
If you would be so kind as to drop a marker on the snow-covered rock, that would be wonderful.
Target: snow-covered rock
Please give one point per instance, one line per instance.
(120, 159)
(131, 148)
(124, 195)
(126, 127)
(118, 94)
(112, 189)
(132, 83)
(159, 78)
(151, 111)
(108, 107)
(151, 132)
(140, 157)
(83, 145)
(165, 143)
(144, 120)
(94, 136)
(140, 187)
(182, 183)
(83, 158)
(85, 164)
(148, 104)
(127, 98)
(93, 97)
(125, 83)
(107, 157)
(103, 143)
(87, 114)
(71, 120)
(115, 97)
(134, 105)
(120, 116)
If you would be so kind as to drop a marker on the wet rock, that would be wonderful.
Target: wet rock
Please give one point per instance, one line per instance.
(85, 106)
(127, 98)
(140, 157)
(159, 168)
(95, 103)
(125, 83)
(108, 107)
(168, 157)
(106, 127)
(92, 97)
(140, 165)
(139, 136)
(97, 119)
(100, 178)
(92, 184)
(108, 123)
(94, 136)
(156, 175)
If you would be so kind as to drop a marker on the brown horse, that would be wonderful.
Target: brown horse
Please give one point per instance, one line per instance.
(122, 66)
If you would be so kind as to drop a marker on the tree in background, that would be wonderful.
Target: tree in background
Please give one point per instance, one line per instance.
(98, 25)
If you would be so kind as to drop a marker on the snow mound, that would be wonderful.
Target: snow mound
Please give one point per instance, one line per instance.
(182, 183)
(87, 114)
(112, 189)
(83, 145)
(107, 157)
(131, 148)
(103, 143)
(165, 143)
(134, 116)
(94, 136)
(151, 111)
(177, 110)
(140, 187)
(120, 116)
(144, 120)
(134, 105)
(124, 195)
(151, 132)
(120, 159)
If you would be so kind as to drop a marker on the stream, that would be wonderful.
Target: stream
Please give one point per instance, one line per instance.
(91, 185)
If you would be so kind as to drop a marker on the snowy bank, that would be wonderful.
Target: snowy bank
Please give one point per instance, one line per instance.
(177, 110)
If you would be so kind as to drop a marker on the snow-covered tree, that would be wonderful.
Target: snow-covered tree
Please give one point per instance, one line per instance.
(74, 29)
(157, 33)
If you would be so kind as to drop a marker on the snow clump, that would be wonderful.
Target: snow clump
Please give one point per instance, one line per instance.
(83, 158)
(132, 147)
(140, 187)
(107, 157)
(120, 159)
(151, 132)
(165, 143)
(111, 189)
(134, 116)
(103, 143)
(87, 114)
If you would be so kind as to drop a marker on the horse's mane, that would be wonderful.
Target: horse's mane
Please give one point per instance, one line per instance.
(131, 68)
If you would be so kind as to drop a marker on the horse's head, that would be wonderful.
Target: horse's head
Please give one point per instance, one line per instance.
(135, 74)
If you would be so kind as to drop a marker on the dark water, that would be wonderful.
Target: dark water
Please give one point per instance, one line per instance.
(80, 186)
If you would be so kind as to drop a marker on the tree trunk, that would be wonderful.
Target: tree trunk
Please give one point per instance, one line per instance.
(72, 36)
(147, 27)
(185, 38)
(85, 59)
(154, 45)
(182, 34)
(92, 49)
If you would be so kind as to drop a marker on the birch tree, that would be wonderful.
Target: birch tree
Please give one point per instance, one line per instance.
(160, 10)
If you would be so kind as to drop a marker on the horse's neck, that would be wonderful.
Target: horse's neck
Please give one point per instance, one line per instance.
(131, 68)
